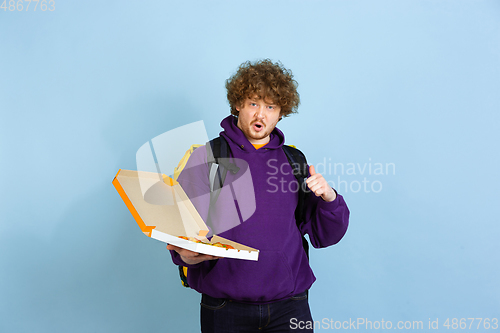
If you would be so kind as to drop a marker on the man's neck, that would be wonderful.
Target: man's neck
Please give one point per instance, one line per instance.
(260, 145)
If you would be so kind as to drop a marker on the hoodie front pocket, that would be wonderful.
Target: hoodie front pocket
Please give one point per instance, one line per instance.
(269, 278)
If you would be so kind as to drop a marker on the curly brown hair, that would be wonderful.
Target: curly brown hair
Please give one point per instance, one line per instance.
(266, 80)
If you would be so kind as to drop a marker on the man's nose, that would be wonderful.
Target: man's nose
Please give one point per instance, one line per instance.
(260, 112)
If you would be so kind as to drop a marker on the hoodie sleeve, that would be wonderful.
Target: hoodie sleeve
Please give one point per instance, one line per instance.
(325, 222)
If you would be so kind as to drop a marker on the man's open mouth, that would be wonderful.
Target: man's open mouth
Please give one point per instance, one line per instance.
(258, 126)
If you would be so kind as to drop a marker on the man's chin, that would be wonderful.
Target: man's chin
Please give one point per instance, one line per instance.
(259, 135)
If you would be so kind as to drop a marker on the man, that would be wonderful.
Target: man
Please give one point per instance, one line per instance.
(270, 294)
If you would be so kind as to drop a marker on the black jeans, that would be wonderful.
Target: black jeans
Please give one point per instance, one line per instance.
(225, 316)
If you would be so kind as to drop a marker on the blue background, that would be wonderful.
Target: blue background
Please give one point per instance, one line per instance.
(413, 83)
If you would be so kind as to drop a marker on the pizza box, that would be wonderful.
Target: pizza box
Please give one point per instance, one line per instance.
(164, 212)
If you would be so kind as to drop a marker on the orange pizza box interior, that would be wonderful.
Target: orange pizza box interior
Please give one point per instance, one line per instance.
(163, 211)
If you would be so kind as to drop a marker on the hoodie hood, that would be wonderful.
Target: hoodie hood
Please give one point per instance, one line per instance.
(233, 134)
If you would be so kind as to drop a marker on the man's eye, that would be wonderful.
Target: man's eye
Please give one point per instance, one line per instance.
(253, 104)
(271, 107)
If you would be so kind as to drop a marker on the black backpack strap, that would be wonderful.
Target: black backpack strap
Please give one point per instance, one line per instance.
(298, 163)
(213, 154)
(218, 154)
(222, 154)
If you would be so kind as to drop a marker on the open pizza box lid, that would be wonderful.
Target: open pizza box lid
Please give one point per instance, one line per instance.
(164, 212)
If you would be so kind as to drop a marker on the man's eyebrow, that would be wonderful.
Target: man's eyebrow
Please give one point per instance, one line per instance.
(257, 98)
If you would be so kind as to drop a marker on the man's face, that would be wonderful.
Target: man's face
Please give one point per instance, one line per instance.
(257, 119)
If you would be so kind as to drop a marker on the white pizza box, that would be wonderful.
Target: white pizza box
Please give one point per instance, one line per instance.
(164, 212)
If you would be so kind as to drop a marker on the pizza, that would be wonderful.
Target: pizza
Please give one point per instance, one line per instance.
(218, 244)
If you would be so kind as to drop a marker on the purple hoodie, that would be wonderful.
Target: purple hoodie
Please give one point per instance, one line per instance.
(283, 268)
